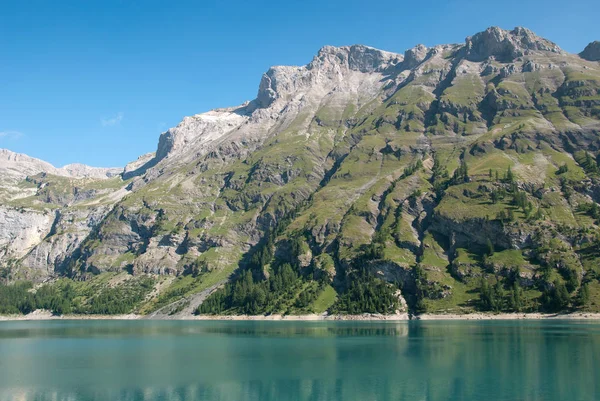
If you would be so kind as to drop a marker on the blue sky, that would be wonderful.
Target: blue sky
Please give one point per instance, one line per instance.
(96, 82)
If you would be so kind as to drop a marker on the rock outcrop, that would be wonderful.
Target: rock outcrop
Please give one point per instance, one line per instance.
(21, 230)
(591, 51)
(413, 57)
(506, 46)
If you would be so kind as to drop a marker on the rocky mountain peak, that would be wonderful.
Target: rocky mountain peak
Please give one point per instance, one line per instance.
(79, 170)
(414, 56)
(18, 166)
(504, 45)
(591, 51)
(269, 86)
(360, 58)
(330, 62)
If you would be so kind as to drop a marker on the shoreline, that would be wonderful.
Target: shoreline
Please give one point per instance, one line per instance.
(39, 315)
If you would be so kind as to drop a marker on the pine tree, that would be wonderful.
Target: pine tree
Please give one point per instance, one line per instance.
(498, 298)
(583, 297)
(509, 177)
(529, 209)
(461, 174)
(557, 297)
(594, 211)
(491, 297)
(562, 169)
(516, 297)
(502, 216)
(490, 247)
(485, 295)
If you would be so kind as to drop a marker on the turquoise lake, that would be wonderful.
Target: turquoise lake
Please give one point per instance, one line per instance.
(189, 360)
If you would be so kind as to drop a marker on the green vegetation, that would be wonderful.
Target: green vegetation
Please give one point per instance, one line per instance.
(366, 294)
(325, 300)
(247, 296)
(66, 297)
(120, 299)
(20, 298)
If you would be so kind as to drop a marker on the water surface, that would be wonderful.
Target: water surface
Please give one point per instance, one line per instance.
(278, 361)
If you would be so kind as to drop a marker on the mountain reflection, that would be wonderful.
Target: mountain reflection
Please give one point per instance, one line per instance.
(342, 329)
(298, 361)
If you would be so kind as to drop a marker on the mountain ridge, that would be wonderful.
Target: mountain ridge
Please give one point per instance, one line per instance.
(493, 39)
(74, 170)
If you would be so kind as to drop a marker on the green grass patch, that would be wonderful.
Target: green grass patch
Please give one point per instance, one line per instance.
(325, 300)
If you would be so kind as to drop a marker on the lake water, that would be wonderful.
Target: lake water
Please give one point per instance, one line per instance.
(237, 361)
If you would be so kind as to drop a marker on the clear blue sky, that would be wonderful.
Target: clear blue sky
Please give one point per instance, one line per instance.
(97, 81)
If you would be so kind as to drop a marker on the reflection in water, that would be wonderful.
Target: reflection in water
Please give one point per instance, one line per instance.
(95, 328)
(163, 360)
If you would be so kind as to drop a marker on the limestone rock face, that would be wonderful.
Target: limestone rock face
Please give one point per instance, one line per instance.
(332, 67)
(17, 166)
(21, 230)
(139, 166)
(591, 51)
(414, 56)
(354, 58)
(38, 226)
(198, 130)
(506, 45)
(78, 170)
(68, 230)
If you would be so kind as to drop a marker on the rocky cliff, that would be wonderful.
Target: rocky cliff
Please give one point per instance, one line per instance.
(591, 51)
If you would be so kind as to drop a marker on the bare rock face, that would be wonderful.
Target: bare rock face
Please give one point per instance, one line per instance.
(506, 45)
(591, 51)
(330, 65)
(354, 58)
(198, 130)
(21, 230)
(139, 166)
(37, 225)
(160, 257)
(139, 162)
(413, 57)
(478, 231)
(18, 166)
(78, 170)
(68, 230)
(267, 89)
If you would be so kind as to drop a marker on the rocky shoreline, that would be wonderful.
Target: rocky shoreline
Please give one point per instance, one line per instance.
(46, 315)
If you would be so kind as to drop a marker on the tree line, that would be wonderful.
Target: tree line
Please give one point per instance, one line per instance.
(64, 297)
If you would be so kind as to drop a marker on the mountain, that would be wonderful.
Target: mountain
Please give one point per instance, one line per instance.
(450, 178)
